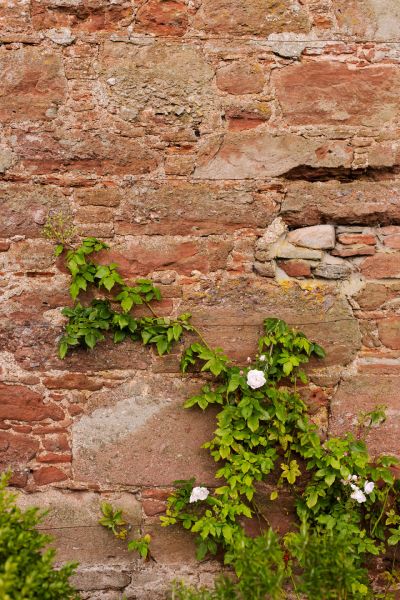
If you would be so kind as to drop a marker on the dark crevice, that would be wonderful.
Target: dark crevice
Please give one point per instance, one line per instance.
(343, 174)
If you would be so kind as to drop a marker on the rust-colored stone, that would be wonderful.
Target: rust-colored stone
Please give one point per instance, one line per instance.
(46, 475)
(33, 84)
(389, 332)
(392, 241)
(19, 402)
(381, 266)
(324, 92)
(81, 15)
(162, 17)
(366, 239)
(72, 381)
(257, 17)
(241, 78)
(295, 268)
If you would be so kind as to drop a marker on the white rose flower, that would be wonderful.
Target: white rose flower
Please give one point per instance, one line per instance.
(255, 379)
(262, 357)
(358, 495)
(369, 487)
(198, 493)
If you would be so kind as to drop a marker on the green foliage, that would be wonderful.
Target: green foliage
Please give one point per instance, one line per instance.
(26, 568)
(344, 500)
(113, 520)
(343, 497)
(59, 228)
(87, 325)
(328, 564)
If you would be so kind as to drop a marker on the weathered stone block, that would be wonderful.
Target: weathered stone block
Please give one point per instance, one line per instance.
(370, 19)
(334, 93)
(142, 255)
(162, 17)
(93, 16)
(101, 579)
(183, 208)
(362, 393)
(241, 78)
(382, 266)
(22, 403)
(366, 203)
(33, 82)
(72, 519)
(389, 332)
(24, 207)
(160, 82)
(257, 17)
(320, 237)
(125, 436)
(258, 153)
(16, 450)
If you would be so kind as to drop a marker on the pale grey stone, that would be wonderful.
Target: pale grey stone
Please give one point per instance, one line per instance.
(103, 578)
(264, 269)
(319, 237)
(284, 249)
(272, 234)
(61, 36)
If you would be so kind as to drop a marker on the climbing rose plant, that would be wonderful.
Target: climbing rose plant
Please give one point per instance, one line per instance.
(347, 503)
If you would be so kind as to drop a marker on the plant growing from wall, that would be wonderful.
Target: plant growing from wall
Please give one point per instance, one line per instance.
(26, 563)
(345, 501)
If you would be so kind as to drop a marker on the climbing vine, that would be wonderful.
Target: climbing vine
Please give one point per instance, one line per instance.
(347, 504)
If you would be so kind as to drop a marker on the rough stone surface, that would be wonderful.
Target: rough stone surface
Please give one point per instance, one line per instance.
(320, 237)
(32, 84)
(254, 154)
(321, 93)
(362, 393)
(254, 17)
(204, 140)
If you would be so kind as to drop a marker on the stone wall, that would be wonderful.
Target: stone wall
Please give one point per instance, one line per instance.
(245, 155)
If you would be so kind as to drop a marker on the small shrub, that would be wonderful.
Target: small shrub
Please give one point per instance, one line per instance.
(26, 568)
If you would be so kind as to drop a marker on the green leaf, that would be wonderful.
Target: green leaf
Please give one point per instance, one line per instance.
(329, 479)
(126, 304)
(63, 349)
(90, 340)
(108, 282)
(253, 423)
(312, 499)
(59, 249)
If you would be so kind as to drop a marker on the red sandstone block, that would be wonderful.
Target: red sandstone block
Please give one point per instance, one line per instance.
(382, 266)
(19, 402)
(357, 238)
(295, 268)
(46, 475)
(153, 507)
(56, 443)
(392, 241)
(241, 78)
(389, 332)
(355, 250)
(322, 92)
(162, 17)
(52, 457)
(72, 381)
(4, 245)
(81, 15)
